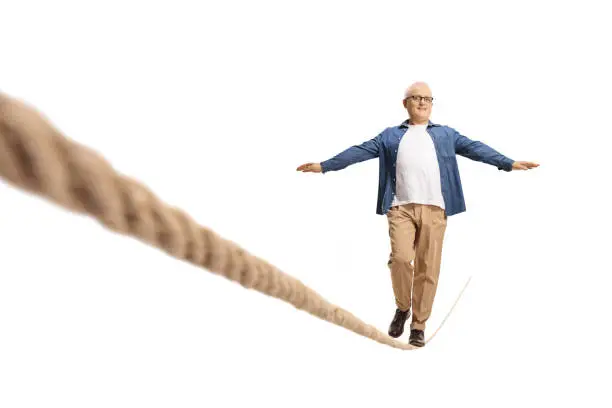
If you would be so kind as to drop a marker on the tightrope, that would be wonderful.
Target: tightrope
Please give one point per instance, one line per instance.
(37, 158)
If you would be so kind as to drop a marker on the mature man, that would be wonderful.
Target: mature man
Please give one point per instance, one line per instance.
(419, 187)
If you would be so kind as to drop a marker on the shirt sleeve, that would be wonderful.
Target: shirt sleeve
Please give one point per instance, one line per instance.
(367, 150)
(478, 151)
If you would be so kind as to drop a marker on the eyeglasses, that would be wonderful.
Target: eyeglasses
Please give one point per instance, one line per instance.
(418, 98)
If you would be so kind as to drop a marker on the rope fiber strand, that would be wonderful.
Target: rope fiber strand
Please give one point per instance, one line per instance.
(36, 157)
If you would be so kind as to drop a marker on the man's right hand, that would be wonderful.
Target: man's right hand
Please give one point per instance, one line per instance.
(310, 168)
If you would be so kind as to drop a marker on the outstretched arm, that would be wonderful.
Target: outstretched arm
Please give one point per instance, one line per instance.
(478, 151)
(354, 154)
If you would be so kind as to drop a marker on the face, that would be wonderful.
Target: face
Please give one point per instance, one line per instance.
(419, 110)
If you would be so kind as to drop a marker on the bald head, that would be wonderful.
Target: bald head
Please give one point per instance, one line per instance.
(418, 88)
(418, 102)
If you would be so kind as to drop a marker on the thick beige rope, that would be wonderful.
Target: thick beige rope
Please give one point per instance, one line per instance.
(36, 157)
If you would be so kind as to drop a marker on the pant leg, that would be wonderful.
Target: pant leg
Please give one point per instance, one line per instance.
(432, 226)
(402, 232)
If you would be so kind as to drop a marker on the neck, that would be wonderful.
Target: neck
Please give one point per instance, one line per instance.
(418, 122)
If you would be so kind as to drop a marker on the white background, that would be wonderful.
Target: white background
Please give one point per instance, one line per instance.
(214, 105)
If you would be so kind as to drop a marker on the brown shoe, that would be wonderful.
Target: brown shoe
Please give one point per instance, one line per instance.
(396, 328)
(417, 338)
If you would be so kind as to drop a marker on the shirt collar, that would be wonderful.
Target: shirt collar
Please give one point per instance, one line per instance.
(406, 123)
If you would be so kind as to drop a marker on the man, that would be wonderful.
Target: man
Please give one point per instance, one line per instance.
(419, 187)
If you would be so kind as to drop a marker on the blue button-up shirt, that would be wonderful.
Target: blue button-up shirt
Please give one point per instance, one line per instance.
(447, 142)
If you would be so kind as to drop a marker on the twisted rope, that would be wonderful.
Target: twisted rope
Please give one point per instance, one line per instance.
(37, 158)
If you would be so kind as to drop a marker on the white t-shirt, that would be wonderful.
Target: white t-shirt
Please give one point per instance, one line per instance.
(417, 171)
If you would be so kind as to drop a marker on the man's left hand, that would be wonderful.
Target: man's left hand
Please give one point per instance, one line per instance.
(524, 165)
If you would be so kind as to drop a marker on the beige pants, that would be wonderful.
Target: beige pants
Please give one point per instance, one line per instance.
(417, 234)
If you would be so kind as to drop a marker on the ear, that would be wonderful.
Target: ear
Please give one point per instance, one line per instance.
(404, 103)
